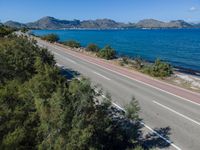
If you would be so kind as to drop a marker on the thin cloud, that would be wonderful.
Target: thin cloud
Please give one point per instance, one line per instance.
(193, 9)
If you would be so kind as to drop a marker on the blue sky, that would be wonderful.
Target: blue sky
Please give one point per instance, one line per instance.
(119, 10)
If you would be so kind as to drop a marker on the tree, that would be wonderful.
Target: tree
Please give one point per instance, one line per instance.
(17, 57)
(72, 44)
(4, 30)
(40, 109)
(93, 48)
(132, 109)
(51, 38)
(107, 53)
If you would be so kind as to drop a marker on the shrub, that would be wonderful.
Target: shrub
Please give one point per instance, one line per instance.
(24, 30)
(51, 38)
(72, 44)
(92, 48)
(138, 63)
(125, 60)
(159, 69)
(4, 30)
(107, 53)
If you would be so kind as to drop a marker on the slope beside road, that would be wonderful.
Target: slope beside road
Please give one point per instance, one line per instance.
(172, 111)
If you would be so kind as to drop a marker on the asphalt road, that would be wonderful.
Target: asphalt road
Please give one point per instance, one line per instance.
(168, 115)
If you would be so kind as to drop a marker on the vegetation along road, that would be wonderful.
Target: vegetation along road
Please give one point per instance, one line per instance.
(171, 111)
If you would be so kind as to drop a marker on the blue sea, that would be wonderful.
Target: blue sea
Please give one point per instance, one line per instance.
(180, 47)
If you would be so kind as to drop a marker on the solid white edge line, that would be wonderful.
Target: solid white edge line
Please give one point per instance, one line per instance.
(146, 126)
(132, 78)
(149, 128)
(101, 75)
(186, 117)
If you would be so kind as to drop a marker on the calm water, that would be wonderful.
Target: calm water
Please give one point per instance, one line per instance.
(180, 47)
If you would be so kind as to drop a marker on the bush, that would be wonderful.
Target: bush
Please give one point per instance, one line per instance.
(138, 63)
(4, 30)
(51, 38)
(107, 53)
(92, 48)
(125, 60)
(24, 30)
(159, 69)
(72, 44)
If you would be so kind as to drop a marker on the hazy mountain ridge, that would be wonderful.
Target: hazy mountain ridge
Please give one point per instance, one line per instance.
(152, 23)
(14, 24)
(53, 23)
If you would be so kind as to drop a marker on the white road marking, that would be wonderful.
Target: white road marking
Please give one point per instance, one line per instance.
(132, 78)
(152, 130)
(166, 140)
(162, 137)
(186, 117)
(146, 126)
(101, 75)
(65, 58)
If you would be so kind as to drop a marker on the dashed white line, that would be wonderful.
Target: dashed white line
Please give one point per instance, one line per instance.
(65, 58)
(186, 117)
(101, 75)
(146, 126)
(166, 140)
(132, 78)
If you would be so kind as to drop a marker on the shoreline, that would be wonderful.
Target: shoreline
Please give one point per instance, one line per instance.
(182, 77)
(182, 65)
(180, 69)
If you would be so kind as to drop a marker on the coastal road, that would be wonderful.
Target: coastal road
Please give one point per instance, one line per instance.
(171, 112)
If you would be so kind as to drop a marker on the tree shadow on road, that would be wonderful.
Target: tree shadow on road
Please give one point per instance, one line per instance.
(152, 140)
(130, 129)
(134, 130)
(69, 73)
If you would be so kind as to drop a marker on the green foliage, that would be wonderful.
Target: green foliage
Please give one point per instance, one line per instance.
(159, 69)
(125, 60)
(132, 110)
(51, 38)
(107, 53)
(93, 48)
(138, 63)
(72, 44)
(4, 30)
(17, 57)
(24, 30)
(40, 109)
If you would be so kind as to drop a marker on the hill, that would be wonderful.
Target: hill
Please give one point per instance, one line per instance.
(53, 23)
(151, 23)
(14, 24)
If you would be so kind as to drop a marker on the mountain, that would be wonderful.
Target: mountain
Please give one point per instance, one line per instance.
(101, 23)
(197, 25)
(53, 23)
(179, 24)
(152, 23)
(14, 24)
